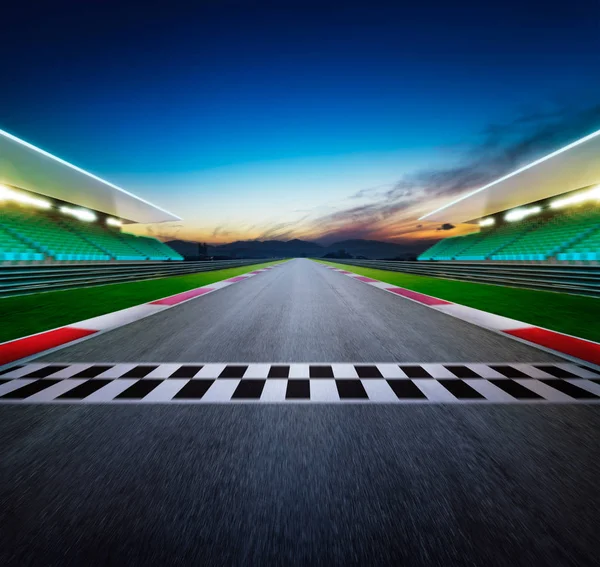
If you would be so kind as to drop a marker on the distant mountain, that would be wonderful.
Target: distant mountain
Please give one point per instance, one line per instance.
(186, 248)
(266, 249)
(371, 249)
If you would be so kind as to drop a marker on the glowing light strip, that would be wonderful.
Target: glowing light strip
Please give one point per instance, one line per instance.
(577, 198)
(520, 214)
(81, 214)
(63, 162)
(516, 172)
(7, 194)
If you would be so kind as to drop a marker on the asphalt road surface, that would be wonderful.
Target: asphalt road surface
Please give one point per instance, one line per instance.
(300, 484)
(300, 312)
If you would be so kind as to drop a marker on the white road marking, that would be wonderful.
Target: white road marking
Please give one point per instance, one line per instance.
(49, 394)
(14, 385)
(165, 391)
(299, 371)
(546, 392)
(379, 390)
(323, 390)
(274, 390)
(221, 390)
(484, 370)
(531, 370)
(163, 371)
(434, 391)
(438, 371)
(257, 371)
(585, 385)
(110, 391)
(344, 370)
(118, 370)
(391, 371)
(71, 370)
(25, 370)
(210, 371)
(489, 391)
(577, 370)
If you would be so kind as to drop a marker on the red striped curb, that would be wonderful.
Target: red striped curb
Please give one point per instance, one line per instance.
(184, 296)
(562, 343)
(574, 346)
(24, 347)
(21, 348)
(415, 296)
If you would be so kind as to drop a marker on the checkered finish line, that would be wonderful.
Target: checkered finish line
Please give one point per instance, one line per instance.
(279, 383)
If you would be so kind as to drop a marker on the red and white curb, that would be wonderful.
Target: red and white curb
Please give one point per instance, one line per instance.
(33, 345)
(567, 345)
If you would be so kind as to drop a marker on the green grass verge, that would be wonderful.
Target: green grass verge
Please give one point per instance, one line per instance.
(572, 314)
(27, 314)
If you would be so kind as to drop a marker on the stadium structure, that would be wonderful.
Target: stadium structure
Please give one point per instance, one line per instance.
(545, 212)
(55, 212)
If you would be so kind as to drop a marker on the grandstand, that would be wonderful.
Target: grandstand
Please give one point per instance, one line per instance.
(547, 211)
(52, 212)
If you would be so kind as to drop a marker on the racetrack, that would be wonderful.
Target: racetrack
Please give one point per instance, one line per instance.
(300, 312)
(299, 484)
(434, 485)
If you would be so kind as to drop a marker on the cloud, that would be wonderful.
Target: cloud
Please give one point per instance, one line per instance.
(370, 192)
(282, 230)
(220, 231)
(276, 231)
(390, 211)
(496, 150)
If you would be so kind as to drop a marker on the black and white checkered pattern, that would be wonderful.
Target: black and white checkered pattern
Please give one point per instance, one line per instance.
(338, 382)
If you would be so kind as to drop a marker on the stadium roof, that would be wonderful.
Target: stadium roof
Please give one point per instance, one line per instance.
(25, 166)
(572, 167)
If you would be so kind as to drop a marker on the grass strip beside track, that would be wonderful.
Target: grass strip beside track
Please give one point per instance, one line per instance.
(28, 314)
(576, 315)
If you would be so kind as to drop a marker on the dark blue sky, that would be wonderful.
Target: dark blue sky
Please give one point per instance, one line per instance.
(197, 106)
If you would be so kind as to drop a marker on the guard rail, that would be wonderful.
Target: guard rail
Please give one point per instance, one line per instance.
(582, 280)
(20, 280)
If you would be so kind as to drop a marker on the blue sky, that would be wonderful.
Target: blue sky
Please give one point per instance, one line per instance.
(266, 120)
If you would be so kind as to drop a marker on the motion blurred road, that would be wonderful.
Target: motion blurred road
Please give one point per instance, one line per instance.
(300, 312)
(305, 484)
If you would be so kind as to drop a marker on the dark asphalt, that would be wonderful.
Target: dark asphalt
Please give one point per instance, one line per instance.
(440, 485)
(300, 312)
(300, 485)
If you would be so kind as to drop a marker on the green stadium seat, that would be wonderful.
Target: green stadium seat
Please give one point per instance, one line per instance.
(496, 239)
(122, 246)
(15, 249)
(572, 234)
(31, 235)
(586, 249)
(106, 239)
(560, 232)
(154, 249)
(43, 232)
(449, 248)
